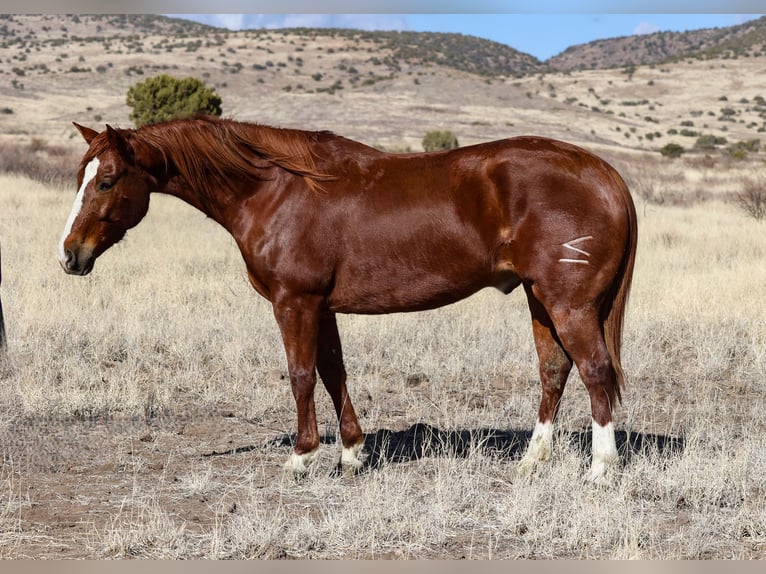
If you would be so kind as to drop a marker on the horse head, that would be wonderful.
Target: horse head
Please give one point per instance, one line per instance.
(113, 196)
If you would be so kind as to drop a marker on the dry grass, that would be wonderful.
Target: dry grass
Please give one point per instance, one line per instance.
(166, 333)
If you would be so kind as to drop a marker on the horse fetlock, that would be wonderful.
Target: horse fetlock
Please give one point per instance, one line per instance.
(298, 463)
(601, 471)
(349, 457)
(604, 453)
(539, 449)
(541, 443)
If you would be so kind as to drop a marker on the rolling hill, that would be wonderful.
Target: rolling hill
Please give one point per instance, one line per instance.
(633, 94)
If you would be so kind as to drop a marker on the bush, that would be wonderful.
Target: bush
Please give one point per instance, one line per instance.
(672, 150)
(752, 198)
(439, 140)
(40, 161)
(739, 150)
(163, 98)
(709, 142)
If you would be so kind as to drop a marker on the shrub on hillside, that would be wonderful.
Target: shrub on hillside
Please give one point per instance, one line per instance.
(439, 140)
(739, 150)
(672, 150)
(164, 98)
(709, 142)
(40, 161)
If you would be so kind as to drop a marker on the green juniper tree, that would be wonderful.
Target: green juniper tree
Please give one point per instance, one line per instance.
(163, 98)
(438, 140)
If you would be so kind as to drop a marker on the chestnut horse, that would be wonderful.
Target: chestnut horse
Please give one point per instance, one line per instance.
(327, 225)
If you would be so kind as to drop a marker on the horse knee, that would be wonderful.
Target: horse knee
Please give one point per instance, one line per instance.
(302, 382)
(554, 369)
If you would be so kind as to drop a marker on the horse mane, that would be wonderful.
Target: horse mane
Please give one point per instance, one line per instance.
(211, 153)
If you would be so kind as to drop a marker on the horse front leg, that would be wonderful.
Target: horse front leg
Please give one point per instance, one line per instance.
(298, 320)
(333, 375)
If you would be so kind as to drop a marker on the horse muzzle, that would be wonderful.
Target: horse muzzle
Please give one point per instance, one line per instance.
(77, 262)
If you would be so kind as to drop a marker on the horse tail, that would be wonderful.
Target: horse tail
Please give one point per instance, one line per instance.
(617, 297)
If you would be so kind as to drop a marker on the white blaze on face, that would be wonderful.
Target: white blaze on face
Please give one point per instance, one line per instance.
(90, 172)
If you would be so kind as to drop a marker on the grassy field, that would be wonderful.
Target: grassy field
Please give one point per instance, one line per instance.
(145, 410)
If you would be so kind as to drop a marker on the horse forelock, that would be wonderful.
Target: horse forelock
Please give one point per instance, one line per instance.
(98, 146)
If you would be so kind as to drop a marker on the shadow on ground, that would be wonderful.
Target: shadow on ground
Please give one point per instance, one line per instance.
(422, 440)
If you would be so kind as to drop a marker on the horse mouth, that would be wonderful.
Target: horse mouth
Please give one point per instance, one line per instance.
(74, 265)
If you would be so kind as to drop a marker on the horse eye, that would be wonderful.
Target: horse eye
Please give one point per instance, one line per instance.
(105, 186)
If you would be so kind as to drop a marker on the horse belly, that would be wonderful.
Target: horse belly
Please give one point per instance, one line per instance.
(406, 289)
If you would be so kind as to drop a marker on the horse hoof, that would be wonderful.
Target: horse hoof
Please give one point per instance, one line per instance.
(349, 459)
(298, 463)
(600, 475)
(526, 467)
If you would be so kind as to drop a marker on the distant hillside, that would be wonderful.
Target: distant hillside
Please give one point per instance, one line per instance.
(55, 69)
(385, 88)
(744, 40)
(18, 29)
(393, 50)
(458, 51)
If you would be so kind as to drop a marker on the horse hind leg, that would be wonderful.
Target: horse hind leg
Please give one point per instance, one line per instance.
(581, 335)
(555, 366)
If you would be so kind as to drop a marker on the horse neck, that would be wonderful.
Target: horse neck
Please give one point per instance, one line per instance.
(177, 187)
(159, 162)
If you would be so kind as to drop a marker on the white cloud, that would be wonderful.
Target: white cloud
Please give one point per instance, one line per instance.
(646, 28)
(355, 21)
(230, 21)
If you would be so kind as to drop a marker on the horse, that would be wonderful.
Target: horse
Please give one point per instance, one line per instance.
(328, 225)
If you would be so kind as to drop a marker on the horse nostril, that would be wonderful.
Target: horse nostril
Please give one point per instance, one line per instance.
(70, 260)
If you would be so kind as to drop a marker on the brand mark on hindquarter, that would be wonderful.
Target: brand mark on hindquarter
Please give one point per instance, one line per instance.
(573, 246)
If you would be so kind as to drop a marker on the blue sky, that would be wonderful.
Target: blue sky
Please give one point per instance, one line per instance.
(541, 35)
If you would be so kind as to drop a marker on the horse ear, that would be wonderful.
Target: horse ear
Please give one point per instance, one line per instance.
(87, 133)
(117, 140)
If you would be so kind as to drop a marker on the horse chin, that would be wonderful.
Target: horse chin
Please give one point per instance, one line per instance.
(87, 268)
(84, 270)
